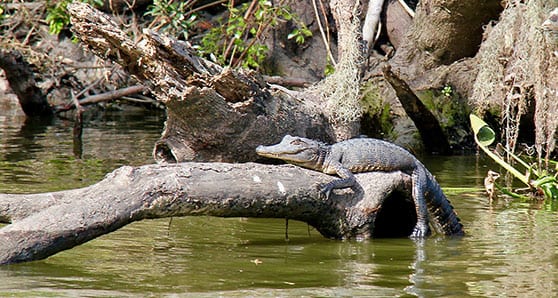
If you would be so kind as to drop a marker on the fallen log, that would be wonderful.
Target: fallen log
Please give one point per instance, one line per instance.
(41, 225)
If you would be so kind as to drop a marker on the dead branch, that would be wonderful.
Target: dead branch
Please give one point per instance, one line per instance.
(428, 126)
(225, 114)
(107, 96)
(22, 81)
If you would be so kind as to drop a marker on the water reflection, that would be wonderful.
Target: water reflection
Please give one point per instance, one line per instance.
(510, 249)
(40, 155)
(23, 142)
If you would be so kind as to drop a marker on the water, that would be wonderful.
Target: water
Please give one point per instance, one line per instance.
(510, 249)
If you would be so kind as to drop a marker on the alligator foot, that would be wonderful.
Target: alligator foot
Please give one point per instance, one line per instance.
(325, 191)
(420, 231)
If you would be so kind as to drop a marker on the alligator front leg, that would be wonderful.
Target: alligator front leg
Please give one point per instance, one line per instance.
(347, 179)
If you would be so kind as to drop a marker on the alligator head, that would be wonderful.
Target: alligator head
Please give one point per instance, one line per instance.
(296, 150)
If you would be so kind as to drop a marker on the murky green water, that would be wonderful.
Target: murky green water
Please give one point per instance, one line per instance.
(510, 249)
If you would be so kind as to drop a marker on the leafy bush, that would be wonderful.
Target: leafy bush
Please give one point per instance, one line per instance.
(539, 180)
(236, 42)
(171, 17)
(57, 15)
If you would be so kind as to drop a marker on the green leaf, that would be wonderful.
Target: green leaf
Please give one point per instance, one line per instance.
(550, 190)
(484, 136)
(293, 34)
(483, 133)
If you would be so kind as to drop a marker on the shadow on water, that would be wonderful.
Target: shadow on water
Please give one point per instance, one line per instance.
(510, 247)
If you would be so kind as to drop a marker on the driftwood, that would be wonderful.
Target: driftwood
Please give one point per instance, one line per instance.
(97, 98)
(44, 224)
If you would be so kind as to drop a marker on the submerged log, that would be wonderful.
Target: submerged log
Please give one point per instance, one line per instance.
(44, 224)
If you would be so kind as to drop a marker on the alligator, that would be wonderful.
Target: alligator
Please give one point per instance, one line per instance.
(366, 155)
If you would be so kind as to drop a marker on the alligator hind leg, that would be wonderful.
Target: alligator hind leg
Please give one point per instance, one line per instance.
(422, 229)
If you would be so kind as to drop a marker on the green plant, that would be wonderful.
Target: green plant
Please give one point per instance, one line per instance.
(300, 35)
(329, 69)
(447, 91)
(58, 17)
(170, 17)
(537, 179)
(2, 12)
(236, 42)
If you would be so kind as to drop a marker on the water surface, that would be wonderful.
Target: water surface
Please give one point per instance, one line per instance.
(510, 249)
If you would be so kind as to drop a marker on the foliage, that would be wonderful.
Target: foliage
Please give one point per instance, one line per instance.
(171, 17)
(236, 42)
(300, 35)
(447, 91)
(537, 178)
(329, 69)
(2, 12)
(58, 17)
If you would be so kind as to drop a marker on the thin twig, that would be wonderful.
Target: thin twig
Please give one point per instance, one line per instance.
(324, 38)
(112, 94)
(205, 6)
(407, 8)
(261, 29)
(107, 96)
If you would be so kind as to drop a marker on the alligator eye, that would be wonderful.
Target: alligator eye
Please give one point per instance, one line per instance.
(297, 142)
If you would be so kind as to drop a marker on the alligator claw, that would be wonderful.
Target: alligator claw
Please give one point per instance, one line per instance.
(325, 191)
(420, 231)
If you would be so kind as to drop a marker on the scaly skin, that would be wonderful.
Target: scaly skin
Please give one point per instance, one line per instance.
(367, 155)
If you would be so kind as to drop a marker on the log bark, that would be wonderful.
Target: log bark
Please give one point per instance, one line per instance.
(44, 224)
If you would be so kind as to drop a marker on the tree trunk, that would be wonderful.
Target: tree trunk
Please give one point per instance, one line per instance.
(434, 139)
(22, 81)
(213, 113)
(443, 32)
(44, 224)
(437, 52)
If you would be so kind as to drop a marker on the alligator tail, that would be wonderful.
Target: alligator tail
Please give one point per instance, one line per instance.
(441, 211)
